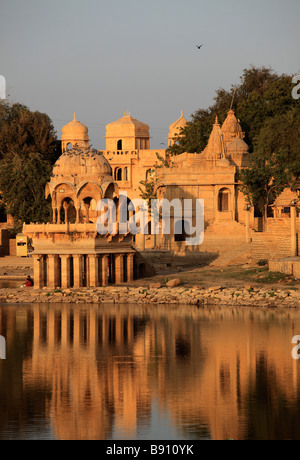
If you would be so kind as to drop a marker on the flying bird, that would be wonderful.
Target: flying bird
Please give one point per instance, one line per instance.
(199, 47)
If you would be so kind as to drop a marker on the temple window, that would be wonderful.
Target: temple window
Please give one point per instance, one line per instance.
(120, 145)
(118, 174)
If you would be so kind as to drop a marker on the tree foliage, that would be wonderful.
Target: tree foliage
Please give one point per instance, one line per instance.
(275, 164)
(28, 149)
(147, 190)
(270, 118)
(23, 188)
(260, 95)
(148, 186)
(25, 132)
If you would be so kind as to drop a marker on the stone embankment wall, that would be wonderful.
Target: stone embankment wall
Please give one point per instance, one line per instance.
(289, 266)
(156, 295)
(270, 246)
(275, 242)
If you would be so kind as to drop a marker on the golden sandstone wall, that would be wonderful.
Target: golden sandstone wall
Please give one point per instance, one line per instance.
(130, 168)
(196, 176)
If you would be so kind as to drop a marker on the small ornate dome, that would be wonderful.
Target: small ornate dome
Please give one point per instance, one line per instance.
(127, 127)
(74, 133)
(180, 123)
(75, 128)
(224, 163)
(174, 129)
(81, 165)
(237, 146)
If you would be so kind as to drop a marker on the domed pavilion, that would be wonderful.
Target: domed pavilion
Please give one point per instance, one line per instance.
(69, 252)
(127, 134)
(74, 134)
(81, 177)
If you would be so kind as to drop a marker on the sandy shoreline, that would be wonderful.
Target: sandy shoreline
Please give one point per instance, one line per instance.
(232, 286)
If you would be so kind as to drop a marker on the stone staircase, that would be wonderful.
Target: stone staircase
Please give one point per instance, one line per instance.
(228, 240)
(278, 226)
(236, 255)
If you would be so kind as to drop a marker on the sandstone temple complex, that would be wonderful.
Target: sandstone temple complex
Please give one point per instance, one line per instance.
(69, 252)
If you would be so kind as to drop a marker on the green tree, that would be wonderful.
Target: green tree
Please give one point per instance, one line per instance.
(28, 149)
(23, 188)
(275, 163)
(270, 118)
(194, 137)
(148, 186)
(27, 132)
(260, 94)
(147, 190)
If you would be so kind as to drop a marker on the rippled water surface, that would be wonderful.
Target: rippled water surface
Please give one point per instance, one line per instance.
(155, 372)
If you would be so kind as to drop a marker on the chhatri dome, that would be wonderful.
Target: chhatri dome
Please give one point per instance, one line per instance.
(81, 165)
(74, 134)
(81, 177)
(175, 128)
(127, 133)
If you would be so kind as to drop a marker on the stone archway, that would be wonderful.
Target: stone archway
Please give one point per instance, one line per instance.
(67, 211)
(118, 174)
(88, 210)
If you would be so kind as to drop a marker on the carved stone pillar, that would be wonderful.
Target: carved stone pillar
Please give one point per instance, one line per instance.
(54, 215)
(130, 267)
(66, 206)
(103, 260)
(53, 273)
(78, 270)
(119, 270)
(65, 271)
(38, 266)
(58, 215)
(78, 215)
(93, 261)
(294, 245)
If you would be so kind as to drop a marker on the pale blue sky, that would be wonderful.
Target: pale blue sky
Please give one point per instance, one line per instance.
(101, 58)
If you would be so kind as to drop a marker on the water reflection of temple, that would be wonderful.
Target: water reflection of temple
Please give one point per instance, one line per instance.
(101, 369)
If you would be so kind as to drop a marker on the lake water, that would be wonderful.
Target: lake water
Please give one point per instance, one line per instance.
(148, 373)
